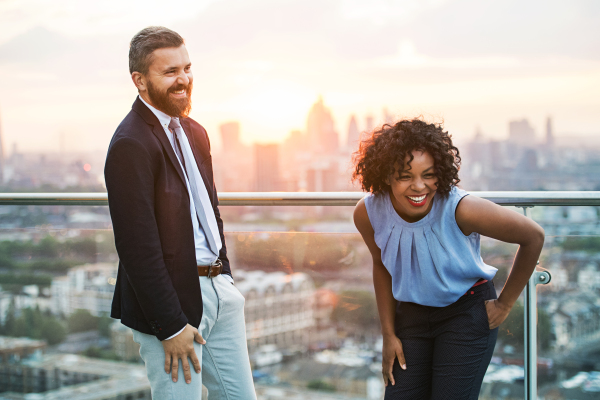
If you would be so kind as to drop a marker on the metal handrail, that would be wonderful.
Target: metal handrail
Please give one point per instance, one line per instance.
(513, 198)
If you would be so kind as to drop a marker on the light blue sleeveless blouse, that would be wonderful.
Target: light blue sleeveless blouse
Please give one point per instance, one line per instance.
(431, 261)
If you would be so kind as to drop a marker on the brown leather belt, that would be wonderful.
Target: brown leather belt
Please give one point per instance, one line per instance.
(211, 270)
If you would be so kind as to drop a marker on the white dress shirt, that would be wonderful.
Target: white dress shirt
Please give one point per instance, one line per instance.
(204, 256)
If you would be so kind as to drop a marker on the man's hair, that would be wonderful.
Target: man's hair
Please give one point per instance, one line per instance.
(380, 152)
(145, 42)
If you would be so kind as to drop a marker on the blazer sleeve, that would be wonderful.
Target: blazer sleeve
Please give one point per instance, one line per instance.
(129, 179)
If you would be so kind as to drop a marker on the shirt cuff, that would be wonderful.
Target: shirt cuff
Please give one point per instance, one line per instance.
(229, 278)
(171, 337)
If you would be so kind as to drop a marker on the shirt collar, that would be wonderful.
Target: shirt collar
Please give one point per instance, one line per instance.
(163, 118)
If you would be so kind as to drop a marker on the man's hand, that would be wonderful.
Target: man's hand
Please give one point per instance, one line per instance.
(180, 348)
(497, 312)
(392, 349)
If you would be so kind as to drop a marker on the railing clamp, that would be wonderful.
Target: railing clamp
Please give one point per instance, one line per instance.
(542, 277)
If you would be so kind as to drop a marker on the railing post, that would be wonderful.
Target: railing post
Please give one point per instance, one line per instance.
(530, 325)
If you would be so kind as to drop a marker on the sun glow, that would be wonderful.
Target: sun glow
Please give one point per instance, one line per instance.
(271, 111)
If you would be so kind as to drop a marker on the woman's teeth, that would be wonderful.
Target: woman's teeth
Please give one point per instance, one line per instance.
(417, 199)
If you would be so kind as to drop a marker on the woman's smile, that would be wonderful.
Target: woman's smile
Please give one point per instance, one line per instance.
(417, 201)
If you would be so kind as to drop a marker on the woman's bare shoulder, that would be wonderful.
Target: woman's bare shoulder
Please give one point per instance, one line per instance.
(361, 217)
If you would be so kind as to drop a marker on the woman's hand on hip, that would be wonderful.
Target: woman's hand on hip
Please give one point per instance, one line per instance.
(392, 349)
(496, 312)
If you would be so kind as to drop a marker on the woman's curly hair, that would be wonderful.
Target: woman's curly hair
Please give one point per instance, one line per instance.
(378, 154)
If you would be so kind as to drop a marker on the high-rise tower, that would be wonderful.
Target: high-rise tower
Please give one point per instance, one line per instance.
(322, 137)
(549, 133)
(353, 133)
(521, 133)
(370, 122)
(230, 136)
(266, 167)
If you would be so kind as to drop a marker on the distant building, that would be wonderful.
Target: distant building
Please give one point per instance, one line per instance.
(24, 171)
(325, 335)
(351, 380)
(13, 349)
(588, 278)
(121, 341)
(560, 277)
(353, 134)
(278, 308)
(322, 178)
(232, 166)
(521, 133)
(1, 154)
(88, 287)
(322, 137)
(68, 376)
(30, 297)
(575, 318)
(549, 133)
(230, 136)
(369, 123)
(267, 172)
(295, 142)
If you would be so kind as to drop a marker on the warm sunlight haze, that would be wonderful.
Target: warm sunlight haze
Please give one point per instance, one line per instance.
(474, 65)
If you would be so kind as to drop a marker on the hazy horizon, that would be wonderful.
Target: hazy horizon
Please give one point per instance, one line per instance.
(472, 64)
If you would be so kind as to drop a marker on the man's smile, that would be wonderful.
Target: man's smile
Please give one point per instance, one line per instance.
(179, 93)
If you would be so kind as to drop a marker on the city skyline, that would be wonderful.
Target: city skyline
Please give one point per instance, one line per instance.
(264, 63)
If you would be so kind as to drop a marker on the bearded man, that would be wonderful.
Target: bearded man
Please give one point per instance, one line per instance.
(174, 286)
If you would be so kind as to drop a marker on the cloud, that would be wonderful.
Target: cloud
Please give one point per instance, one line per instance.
(36, 46)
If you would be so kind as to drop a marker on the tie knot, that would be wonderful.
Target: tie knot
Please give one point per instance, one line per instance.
(174, 124)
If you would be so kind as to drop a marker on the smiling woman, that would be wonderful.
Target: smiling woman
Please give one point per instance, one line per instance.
(437, 303)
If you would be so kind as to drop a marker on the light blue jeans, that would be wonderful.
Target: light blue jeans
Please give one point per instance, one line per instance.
(224, 358)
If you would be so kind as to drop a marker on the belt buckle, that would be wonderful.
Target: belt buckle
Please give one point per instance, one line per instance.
(217, 263)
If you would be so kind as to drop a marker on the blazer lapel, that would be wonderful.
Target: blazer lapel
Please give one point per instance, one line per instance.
(159, 132)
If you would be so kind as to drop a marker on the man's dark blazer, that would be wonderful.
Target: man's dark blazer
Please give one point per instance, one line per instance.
(157, 290)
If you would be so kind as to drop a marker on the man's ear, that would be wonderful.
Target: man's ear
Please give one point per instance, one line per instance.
(139, 81)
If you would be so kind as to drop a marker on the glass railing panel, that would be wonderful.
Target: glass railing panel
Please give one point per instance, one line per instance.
(311, 316)
(569, 316)
(505, 374)
(346, 333)
(315, 330)
(57, 276)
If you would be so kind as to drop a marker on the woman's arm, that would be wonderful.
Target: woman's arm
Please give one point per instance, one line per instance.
(386, 303)
(474, 214)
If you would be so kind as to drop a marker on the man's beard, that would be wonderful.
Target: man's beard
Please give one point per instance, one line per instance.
(173, 107)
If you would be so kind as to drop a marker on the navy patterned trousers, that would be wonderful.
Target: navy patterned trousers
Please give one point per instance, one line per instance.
(447, 349)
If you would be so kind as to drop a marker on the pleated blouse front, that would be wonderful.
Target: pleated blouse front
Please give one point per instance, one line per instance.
(431, 261)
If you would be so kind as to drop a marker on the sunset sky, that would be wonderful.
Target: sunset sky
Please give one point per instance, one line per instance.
(470, 63)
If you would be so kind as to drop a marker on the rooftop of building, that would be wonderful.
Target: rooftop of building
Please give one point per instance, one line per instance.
(14, 343)
(260, 281)
(119, 378)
